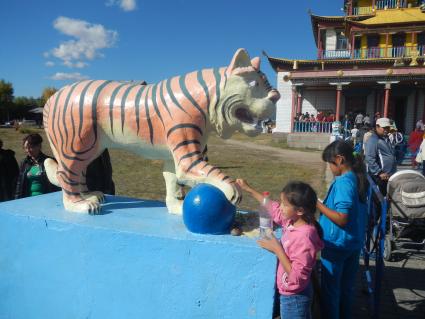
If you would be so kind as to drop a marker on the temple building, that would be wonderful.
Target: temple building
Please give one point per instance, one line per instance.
(369, 60)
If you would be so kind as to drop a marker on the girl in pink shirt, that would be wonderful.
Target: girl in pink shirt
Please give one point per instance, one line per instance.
(298, 247)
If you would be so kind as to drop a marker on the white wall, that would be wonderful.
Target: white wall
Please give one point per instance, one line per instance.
(315, 101)
(330, 39)
(284, 105)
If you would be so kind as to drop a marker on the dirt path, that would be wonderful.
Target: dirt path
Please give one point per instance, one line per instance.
(310, 159)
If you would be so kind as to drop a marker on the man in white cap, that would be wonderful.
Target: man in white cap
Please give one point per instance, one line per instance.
(380, 155)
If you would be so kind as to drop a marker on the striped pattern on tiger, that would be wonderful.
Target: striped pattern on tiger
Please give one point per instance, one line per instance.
(169, 120)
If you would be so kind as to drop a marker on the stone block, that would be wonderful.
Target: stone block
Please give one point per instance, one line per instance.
(133, 261)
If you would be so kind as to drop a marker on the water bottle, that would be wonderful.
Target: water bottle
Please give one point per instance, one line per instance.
(266, 224)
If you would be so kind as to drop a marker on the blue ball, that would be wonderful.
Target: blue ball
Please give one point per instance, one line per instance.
(206, 210)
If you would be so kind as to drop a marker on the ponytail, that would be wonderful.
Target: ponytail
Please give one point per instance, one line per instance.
(359, 169)
(354, 160)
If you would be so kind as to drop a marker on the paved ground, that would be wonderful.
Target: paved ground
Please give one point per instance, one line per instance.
(403, 289)
(403, 283)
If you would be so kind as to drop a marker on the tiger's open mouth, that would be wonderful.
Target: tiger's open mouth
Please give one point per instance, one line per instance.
(245, 116)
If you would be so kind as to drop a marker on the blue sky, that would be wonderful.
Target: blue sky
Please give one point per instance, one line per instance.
(55, 42)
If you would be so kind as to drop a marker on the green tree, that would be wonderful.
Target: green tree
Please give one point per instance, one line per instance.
(6, 100)
(47, 93)
(22, 104)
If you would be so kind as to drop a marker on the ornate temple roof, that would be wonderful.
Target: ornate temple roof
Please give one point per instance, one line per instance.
(315, 20)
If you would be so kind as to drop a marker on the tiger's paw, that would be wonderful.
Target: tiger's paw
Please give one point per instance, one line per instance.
(94, 197)
(83, 206)
(175, 206)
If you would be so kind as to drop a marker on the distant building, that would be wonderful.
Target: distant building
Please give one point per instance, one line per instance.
(369, 60)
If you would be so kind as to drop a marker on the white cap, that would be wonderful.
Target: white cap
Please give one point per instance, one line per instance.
(383, 122)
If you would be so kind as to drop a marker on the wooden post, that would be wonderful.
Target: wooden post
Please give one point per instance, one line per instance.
(319, 45)
(386, 98)
(299, 102)
(294, 91)
(338, 101)
(339, 86)
(387, 94)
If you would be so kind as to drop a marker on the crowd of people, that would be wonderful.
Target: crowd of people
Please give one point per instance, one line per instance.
(30, 178)
(321, 116)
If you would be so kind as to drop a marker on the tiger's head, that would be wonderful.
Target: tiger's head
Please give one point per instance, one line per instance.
(246, 100)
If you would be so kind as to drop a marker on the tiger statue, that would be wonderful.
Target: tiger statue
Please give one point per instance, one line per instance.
(170, 120)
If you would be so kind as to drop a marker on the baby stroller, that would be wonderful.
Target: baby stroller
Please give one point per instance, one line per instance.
(406, 217)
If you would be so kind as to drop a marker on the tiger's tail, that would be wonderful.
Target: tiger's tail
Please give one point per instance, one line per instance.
(51, 169)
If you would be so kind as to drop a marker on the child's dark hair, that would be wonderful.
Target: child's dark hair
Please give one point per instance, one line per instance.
(356, 163)
(302, 195)
(32, 139)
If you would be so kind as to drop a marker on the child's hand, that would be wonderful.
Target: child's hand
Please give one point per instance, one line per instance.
(243, 184)
(271, 243)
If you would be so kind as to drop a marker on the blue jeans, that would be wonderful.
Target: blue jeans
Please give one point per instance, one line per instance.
(338, 281)
(297, 306)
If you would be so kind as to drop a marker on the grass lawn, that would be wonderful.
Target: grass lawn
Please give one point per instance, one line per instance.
(137, 177)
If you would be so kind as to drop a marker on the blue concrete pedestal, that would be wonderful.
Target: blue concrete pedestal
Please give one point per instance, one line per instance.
(133, 261)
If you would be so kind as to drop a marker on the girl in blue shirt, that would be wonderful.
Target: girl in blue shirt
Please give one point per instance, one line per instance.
(343, 219)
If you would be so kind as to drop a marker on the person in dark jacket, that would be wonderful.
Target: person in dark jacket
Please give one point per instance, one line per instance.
(380, 155)
(32, 178)
(99, 175)
(9, 171)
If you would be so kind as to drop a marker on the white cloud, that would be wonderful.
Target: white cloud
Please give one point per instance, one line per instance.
(89, 40)
(61, 76)
(50, 63)
(126, 5)
(78, 64)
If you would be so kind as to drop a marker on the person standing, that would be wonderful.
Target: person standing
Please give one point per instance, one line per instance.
(9, 171)
(380, 155)
(415, 140)
(343, 220)
(366, 120)
(297, 250)
(32, 180)
(359, 119)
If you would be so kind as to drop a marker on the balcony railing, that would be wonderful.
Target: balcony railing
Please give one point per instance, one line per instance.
(315, 127)
(334, 54)
(373, 53)
(362, 10)
(379, 5)
(390, 4)
(390, 52)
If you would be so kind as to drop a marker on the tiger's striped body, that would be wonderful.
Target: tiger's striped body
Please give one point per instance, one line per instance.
(170, 120)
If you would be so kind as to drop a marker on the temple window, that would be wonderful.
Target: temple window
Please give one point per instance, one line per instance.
(341, 40)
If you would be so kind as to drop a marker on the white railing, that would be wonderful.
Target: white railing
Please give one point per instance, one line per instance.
(312, 127)
(335, 54)
(379, 5)
(390, 4)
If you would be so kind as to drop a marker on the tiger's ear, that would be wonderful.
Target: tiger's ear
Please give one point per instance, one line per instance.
(240, 60)
(255, 62)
